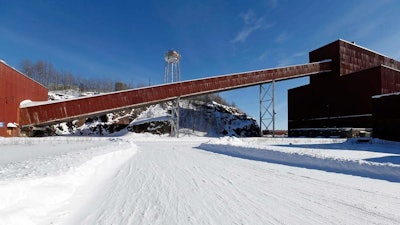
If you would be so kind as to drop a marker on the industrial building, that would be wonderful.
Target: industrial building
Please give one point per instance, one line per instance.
(351, 89)
(15, 87)
(342, 100)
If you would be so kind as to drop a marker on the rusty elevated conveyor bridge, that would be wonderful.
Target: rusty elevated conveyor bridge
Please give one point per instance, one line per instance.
(48, 113)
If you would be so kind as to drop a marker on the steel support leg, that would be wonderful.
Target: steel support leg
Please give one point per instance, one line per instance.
(175, 118)
(267, 108)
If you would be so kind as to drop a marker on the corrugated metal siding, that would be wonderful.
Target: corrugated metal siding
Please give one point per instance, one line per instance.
(390, 80)
(83, 107)
(14, 88)
(354, 58)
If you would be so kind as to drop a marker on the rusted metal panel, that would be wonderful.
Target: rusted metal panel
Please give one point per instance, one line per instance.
(355, 58)
(54, 112)
(390, 80)
(14, 88)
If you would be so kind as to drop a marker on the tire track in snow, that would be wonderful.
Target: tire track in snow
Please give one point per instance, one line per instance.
(171, 182)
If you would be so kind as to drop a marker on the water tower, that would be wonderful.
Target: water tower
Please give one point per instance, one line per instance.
(173, 74)
(172, 67)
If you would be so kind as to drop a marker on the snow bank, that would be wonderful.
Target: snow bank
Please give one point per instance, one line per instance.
(46, 186)
(350, 160)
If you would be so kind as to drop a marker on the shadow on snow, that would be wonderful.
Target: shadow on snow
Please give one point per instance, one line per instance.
(371, 168)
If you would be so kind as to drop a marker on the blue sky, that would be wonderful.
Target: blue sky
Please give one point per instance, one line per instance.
(127, 40)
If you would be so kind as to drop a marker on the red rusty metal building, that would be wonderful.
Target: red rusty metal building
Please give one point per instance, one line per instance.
(14, 88)
(342, 98)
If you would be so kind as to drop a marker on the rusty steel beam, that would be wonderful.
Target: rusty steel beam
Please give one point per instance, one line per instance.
(60, 111)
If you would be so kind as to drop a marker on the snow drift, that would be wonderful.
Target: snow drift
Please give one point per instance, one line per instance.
(304, 155)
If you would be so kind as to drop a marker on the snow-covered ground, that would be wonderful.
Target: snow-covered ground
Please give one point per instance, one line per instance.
(148, 179)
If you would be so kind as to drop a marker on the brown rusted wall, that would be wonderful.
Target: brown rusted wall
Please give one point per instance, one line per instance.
(54, 112)
(14, 88)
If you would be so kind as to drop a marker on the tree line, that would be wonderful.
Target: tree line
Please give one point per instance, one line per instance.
(45, 73)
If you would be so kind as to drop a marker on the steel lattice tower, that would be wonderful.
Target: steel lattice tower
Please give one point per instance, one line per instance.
(267, 108)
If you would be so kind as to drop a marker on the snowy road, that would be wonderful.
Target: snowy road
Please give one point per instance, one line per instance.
(171, 181)
(140, 179)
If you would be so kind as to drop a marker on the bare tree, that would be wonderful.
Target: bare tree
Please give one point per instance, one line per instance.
(119, 86)
(27, 68)
(45, 73)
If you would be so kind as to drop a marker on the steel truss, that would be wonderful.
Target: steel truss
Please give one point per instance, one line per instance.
(267, 108)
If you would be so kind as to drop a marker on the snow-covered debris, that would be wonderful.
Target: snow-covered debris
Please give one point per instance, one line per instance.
(152, 114)
(65, 94)
(212, 119)
(217, 120)
(153, 111)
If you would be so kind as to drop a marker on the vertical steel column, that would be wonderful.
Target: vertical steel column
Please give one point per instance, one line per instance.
(171, 75)
(166, 72)
(267, 107)
(175, 118)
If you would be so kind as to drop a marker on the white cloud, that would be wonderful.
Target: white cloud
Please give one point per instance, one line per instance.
(252, 24)
(244, 34)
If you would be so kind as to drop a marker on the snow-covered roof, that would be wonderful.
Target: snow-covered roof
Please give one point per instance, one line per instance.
(12, 125)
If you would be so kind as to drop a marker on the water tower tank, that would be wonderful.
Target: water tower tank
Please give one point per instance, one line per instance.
(172, 56)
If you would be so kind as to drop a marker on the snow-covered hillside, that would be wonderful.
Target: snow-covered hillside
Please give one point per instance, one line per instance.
(209, 118)
(152, 179)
